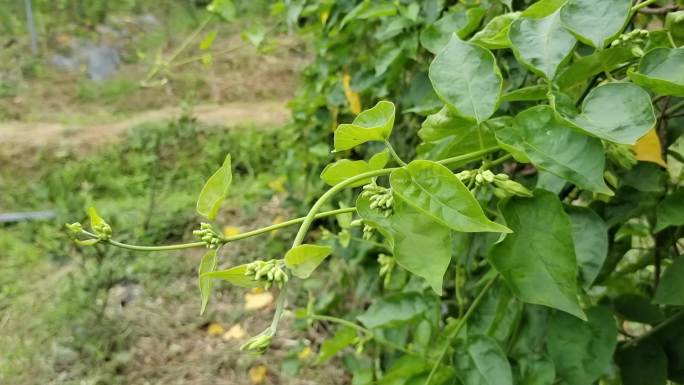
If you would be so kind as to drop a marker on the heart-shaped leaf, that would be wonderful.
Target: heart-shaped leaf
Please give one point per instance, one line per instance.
(207, 265)
(538, 259)
(541, 44)
(374, 124)
(539, 136)
(617, 112)
(302, 260)
(465, 76)
(660, 70)
(434, 190)
(344, 169)
(235, 275)
(595, 22)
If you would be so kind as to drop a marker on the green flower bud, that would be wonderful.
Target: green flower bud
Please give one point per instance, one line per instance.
(259, 343)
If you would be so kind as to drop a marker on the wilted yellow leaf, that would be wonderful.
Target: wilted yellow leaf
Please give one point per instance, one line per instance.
(215, 329)
(352, 97)
(257, 374)
(258, 301)
(277, 184)
(648, 149)
(235, 333)
(231, 231)
(304, 354)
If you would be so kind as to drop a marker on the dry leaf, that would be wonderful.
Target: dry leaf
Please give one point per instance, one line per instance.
(304, 354)
(235, 333)
(648, 148)
(257, 374)
(352, 97)
(231, 231)
(256, 301)
(215, 329)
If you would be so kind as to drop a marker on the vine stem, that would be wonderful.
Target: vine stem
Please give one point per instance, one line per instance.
(226, 239)
(308, 220)
(653, 331)
(460, 325)
(642, 5)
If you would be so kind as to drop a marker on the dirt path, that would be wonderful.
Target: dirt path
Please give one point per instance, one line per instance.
(18, 138)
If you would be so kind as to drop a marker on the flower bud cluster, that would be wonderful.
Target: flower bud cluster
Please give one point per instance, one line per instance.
(208, 235)
(103, 231)
(380, 198)
(634, 39)
(620, 154)
(271, 272)
(387, 263)
(501, 184)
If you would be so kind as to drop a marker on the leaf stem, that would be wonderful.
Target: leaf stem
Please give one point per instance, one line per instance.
(671, 110)
(394, 153)
(653, 331)
(460, 325)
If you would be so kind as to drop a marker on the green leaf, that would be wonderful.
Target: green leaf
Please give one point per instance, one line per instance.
(344, 337)
(541, 45)
(617, 112)
(483, 362)
(497, 313)
(235, 275)
(208, 40)
(590, 236)
(582, 351)
(304, 259)
(538, 259)
(435, 191)
(394, 310)
(465, 76)
(207, 265)
(637, 308)
(589, 66)
(254, 35)
(551, 145)
(494, 35)
(660, 70)
(671, 288)
(462, 22)
(670, 211)
(374, 124)
(535, 370)
(447, 134)
(674, 23)
(344, 169)
(645, 363)
(215, 190)
(419, 244)
(543, 8)
(223, 8)
(526, 94)
(595, 22)
(368, 10)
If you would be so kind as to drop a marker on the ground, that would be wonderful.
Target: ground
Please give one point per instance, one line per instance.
(154, 333)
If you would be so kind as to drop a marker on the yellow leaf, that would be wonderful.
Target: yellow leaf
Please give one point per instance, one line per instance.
(648, 148)
(304, 354)
(234, 333)
(257, 374)
(277, 184)
(215, 329)
(324, 16)
(258, 301)
(352, 97)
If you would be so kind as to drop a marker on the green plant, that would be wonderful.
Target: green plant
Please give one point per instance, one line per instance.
(538, 261)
